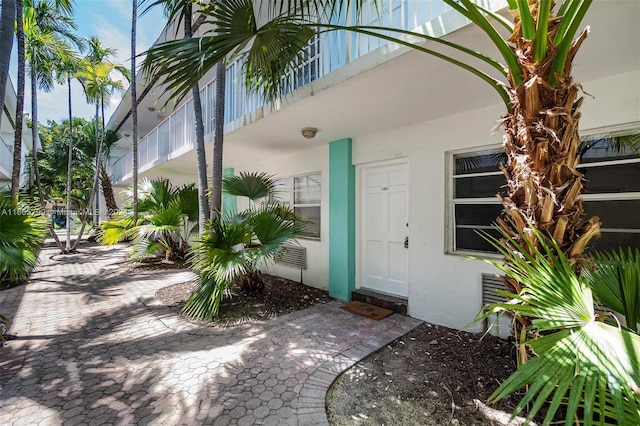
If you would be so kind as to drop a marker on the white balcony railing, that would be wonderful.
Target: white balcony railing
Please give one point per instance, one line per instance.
(324, 54)
(6, 160)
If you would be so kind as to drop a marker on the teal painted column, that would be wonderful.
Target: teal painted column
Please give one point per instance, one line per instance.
(342, 220)
(229, 202)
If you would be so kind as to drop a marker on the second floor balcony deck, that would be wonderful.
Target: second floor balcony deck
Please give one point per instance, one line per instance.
(325, 54)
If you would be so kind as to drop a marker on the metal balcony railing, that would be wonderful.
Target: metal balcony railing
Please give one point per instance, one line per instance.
(324, 54)
(6, 160)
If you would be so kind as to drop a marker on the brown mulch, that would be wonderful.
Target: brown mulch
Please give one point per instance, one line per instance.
(280, 296)
(431, 376)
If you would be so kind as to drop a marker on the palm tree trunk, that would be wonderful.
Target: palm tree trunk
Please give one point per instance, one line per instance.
(96, 186)
(134, 109)
(218, 140)
(7, 20)
(201, 155)
(107, 191)
(17, 141)
(34, 153)
(85, 215)
(69, 160)
(541, 144)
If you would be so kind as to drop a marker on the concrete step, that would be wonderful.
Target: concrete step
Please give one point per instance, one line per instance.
(382, 300)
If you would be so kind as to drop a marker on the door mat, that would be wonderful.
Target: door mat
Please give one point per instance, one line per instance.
(367, 310)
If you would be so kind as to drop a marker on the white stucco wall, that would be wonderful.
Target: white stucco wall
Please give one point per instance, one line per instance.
(446, 288)
(314, 159)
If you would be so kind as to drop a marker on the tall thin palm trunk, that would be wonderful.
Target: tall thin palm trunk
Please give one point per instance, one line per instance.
(96, 182)
(218, 140)
(22, 64)
(134, 109)
(69, 160)
(34, 153)
(85, 215)
(7, 19)
(201, 155)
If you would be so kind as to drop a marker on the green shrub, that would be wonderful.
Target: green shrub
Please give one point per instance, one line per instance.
(167, 218)
(237, 244)
(22, 232)
(583, 361)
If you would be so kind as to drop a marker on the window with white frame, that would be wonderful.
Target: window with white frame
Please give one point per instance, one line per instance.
(302, 194)
(611, 167)
(476, 179)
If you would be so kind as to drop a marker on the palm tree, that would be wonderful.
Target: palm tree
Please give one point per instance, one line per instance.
(53, 160)
(166, 223)
(237, 244)
(134, 108)
(7, 20)
(67, 68)
(17, 141)
(218, 139)
(61, 9)
(177, 11)
(99, 86)
(160, 69)
(110, 141)
(46, 28)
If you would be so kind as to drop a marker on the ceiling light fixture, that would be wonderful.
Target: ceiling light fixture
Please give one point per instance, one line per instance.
(309, 132)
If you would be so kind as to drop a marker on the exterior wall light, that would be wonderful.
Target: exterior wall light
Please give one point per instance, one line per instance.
(309, 132)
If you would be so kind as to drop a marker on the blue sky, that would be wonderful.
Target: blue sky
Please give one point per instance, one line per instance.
(110, 21)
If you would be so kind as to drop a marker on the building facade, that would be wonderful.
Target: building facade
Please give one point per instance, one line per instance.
(7, 139)
(400, 177)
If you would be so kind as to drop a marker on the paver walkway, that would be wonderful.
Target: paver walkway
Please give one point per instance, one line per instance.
(95, 347)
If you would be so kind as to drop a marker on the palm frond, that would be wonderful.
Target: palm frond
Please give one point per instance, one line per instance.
(204, 303)
(615, 280)
(117, 230)
(274, 226)
(253, 185)
(471, 12)
(22, 232)
(581, 361)
(542, 29)
(574, 14)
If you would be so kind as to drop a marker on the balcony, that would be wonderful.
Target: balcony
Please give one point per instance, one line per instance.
(325, 54)
(6, 160)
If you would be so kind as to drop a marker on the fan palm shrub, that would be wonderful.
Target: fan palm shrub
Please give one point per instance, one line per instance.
(238, 244)
(615, 281)
(167, 220)
(584, 360)
(22, 232)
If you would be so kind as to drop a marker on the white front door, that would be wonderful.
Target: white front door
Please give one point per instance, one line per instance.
(385, 229)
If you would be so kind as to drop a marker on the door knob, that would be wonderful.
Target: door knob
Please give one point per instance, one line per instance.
(406, 242)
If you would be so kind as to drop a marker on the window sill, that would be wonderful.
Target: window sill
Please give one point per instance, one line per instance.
(482, 255)
(309, 238)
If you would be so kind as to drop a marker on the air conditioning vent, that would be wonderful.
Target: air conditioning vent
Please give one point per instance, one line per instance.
(295, 256)
(491, 283)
